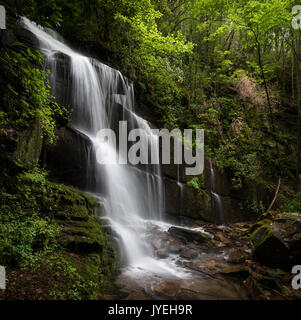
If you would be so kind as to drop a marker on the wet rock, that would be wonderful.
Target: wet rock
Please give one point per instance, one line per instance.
(236, 256)
(175, 247)
(157, 243)
(188, 254)
(196, 204)
(72, 159)
(61, 82)
(250, 191)
(238, 271)
(162, 254)
(186, 235)
(269, 249)
(168, 289)
(172, 197)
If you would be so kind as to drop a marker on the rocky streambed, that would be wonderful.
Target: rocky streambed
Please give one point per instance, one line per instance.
(216, 262)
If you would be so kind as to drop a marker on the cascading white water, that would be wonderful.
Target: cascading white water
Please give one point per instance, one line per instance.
(100, 96)
(217, 200)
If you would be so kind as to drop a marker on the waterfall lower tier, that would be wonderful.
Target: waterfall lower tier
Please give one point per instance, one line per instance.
(217, 202)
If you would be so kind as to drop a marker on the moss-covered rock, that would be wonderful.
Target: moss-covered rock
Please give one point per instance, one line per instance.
(277, 240)
(30, 145)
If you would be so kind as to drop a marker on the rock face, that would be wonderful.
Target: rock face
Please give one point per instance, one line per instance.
(277, 242)
(183, 200)
(70, 159)
(30, 145)
(24, 147)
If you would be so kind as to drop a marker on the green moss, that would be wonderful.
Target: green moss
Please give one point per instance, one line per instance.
(30, 146)
(260, 235)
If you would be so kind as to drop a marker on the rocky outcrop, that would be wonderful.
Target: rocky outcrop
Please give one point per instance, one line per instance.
(71, 159)
(182, 199)
(23, 148)
(30, 145)
(16, 35)
(277, 241)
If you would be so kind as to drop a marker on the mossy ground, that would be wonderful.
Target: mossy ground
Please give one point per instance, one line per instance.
(51, 241)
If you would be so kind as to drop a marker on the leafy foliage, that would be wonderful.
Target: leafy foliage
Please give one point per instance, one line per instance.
(28, 96)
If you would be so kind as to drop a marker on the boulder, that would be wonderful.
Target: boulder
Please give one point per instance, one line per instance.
(269, 249)
(277, 242)
(186, 235)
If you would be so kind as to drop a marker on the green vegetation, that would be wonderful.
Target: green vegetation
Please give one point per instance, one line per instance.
(231, 67)
(27, 92)
(50, 230)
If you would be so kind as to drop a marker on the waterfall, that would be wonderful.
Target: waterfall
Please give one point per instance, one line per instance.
(100, 96)
(217, 201)
(181, 187)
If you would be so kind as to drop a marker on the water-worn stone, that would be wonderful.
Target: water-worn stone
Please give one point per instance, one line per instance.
(162, 254)
(239, 271)
(189, 235)
(175, 247)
